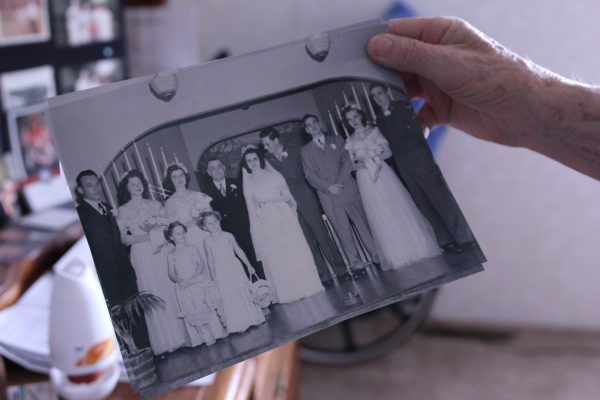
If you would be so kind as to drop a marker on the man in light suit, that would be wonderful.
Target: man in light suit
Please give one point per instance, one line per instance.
(287, 162)
(327, 168)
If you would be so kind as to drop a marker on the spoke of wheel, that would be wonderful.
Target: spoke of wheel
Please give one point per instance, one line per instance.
(348, 337)
(401, 312)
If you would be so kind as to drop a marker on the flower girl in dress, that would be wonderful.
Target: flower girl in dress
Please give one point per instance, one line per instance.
(221, 250)
(197, 294)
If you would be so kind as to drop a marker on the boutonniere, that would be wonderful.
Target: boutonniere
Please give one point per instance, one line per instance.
(333, 146)
(387, 113)
(284, 154)
(232, 186)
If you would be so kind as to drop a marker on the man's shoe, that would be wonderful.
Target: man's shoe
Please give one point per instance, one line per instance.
(453, 248)
(328, 282)
(344, 277)
(357, 273)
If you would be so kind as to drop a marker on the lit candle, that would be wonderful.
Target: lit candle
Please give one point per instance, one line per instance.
(346, 98)
(355, 96)
(141, 162)
(176, 159)
(154, 167)
(109, 194)
(116, 172)
(127, 160)
(164, 158)
(341, 119)
(369, 101)
(390, 93)
(333, 123)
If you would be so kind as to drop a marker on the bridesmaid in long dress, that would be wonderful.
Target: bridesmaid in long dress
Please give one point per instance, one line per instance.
(401, 233)
(185, 205)
(222, 249)
(137, 217)
(198, 297)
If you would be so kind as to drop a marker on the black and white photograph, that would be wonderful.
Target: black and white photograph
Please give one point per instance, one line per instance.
(82, 22)
(245, 203)
(73, 78)
(27, 87)
(23, 21)
(31, 144)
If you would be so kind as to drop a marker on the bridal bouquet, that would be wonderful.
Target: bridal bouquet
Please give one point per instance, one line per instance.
(367, 152)
(154, 226)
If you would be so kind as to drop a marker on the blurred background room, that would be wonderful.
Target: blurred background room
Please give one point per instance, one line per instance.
(526, 328)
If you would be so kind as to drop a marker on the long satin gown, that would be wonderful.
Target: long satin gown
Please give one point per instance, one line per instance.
(165, 330)
(240, 312)
(278, 240)
(199, 299)
(401, 233)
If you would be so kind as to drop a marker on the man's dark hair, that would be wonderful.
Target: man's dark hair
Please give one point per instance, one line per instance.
(307, 116)
(269, 132)
(81, 175)
(87, 172)
(376, 84)
(214, 158)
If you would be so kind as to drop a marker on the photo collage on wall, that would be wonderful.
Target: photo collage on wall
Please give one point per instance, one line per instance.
(41, 41)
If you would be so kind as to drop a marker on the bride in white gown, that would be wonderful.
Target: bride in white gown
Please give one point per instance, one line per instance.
(276, 234)
(401, 233)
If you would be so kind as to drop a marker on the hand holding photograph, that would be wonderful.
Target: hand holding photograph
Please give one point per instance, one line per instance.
(248, 202)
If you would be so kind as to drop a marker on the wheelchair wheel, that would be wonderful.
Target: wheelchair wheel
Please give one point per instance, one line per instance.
(368, 336)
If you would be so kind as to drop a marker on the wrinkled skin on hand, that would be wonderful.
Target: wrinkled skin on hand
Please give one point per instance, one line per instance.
(472, 82)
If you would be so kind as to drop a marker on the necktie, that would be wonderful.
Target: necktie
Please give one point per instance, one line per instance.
(320, 142)
(222, 187)
(103, 209)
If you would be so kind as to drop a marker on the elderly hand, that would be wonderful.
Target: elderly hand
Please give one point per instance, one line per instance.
(475, 84)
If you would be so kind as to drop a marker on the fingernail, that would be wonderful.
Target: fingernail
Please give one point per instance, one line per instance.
(382, 46)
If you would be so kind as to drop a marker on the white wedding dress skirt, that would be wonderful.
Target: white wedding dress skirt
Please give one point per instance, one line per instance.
(401, 233)
(280, 243)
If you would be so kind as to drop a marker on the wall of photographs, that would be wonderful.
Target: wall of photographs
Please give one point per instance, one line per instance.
(47, 48)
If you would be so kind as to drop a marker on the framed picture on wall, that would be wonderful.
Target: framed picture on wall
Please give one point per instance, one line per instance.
(23, 21)
(73, 78)
(82, 22)
(27, 87)
(31, 143)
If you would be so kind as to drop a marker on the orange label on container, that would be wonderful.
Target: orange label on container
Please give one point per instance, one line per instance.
(97, 352)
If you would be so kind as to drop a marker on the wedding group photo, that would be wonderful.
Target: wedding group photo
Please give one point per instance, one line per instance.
(239, 230)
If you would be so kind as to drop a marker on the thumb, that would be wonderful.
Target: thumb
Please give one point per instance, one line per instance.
(405, 54)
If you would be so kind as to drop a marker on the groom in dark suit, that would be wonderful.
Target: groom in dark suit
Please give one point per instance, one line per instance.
(228, 199)
(419, 172)
(289, 163)
(115, 272)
